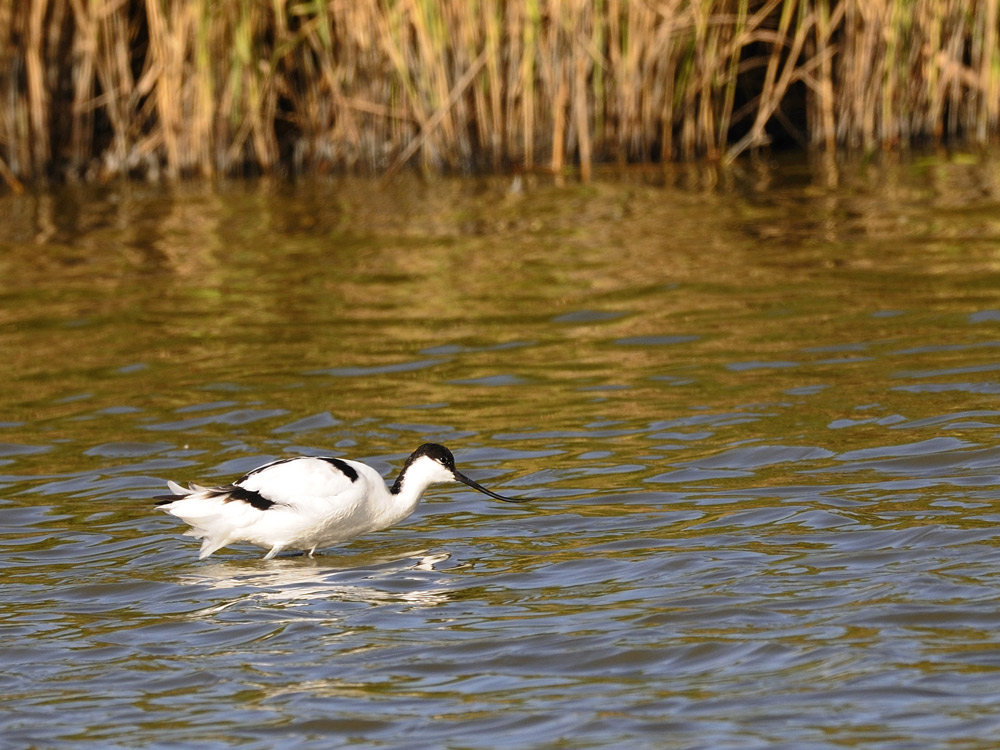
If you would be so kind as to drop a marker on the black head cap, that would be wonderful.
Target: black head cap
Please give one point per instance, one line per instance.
(432, 450)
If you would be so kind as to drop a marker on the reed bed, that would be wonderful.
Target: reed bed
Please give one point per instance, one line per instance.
(171, 88)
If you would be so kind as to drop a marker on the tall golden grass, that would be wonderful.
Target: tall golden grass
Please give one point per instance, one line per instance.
(99, 88)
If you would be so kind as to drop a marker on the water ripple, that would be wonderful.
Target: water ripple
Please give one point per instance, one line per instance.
(763, 473)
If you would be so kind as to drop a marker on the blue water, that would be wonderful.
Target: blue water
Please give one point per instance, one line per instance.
(759, 426)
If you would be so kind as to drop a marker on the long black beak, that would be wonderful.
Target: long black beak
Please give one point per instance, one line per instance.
(476, 486)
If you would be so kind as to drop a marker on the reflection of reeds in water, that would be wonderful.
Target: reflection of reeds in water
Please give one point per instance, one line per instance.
(104, 87)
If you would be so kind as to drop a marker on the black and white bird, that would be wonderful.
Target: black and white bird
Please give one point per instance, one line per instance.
(310, 502)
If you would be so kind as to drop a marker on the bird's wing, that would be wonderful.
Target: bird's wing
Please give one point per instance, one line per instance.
(289, 480)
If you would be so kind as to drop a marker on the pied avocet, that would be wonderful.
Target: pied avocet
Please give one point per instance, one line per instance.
(309, 502)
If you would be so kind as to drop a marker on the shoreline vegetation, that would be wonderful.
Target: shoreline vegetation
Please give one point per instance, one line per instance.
(167, 89)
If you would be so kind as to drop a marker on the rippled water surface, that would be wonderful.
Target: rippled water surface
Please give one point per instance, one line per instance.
(757, 414)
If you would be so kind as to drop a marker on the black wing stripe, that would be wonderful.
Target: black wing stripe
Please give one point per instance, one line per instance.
(342, 466)
(243, 495)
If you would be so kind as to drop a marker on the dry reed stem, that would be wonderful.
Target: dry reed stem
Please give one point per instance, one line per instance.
(10, 178)
(37, 91)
